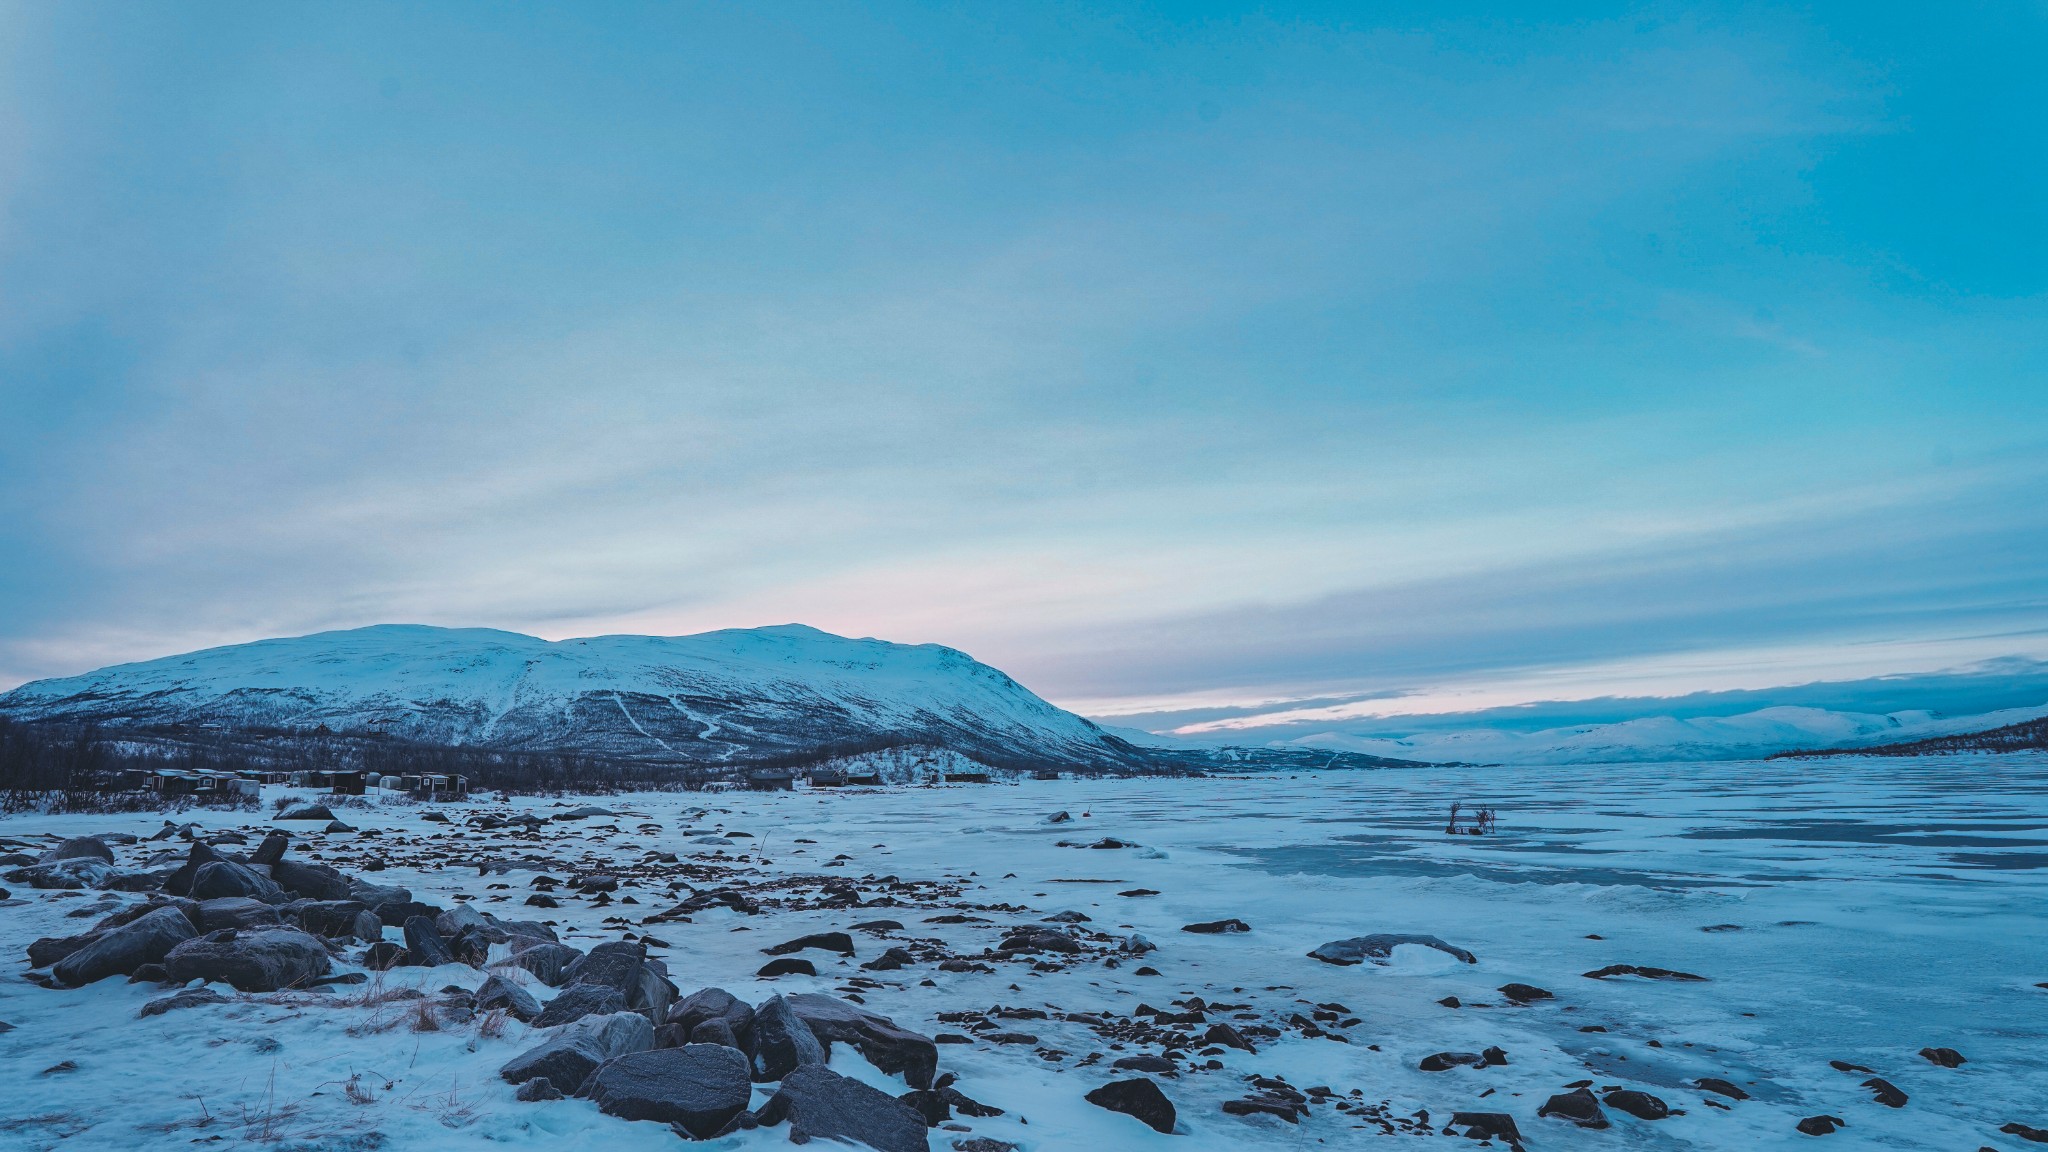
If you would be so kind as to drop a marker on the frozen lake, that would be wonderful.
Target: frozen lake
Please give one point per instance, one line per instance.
(1851, 911)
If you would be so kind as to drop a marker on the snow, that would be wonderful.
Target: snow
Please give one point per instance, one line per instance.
(1881, 906)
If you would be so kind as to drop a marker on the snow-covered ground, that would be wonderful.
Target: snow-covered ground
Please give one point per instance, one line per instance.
(1847, 910)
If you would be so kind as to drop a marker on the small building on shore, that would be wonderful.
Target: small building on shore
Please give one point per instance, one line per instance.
(771, 780)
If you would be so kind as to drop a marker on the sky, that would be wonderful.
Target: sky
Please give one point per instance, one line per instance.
(1186, 361)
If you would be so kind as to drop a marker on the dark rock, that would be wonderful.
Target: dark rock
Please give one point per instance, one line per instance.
(569, 1056)
(622, 964)
(79, 848)
(499, 994)
(549, 963)
(1640, 1105)
(1136, 1097)
(425, 943)
(893, 1049)
(782, 1041)
(1445, 1061)
(235, 912)
(838, 942)
(219, 878)
(1379, 946)
(878, 926)
(929, 1104)
(336, 827)
(698, 1087)
(306, 812)
(1885, 1092)
(1487, 1126)
(271, 850)
(339, 920)
(892, 960)
(1146, 1063)
(399, 911)
(984, 1144)
(1821, 1125)
(1524, 993)
(1946, 1057)
(1578, 1106)
(787, 966)
(2026, 1132)
(383, 956)
(1642, 971)
(1218, 927)
(1223, 1034)
(312, 881)
(820, 1104)
(715, 1016)
(48, 950)
(537, 1090)
(578, 1001)
(263, 960)
(184, 998)
(148, 939)
(966, 1106)
(1721, 1087)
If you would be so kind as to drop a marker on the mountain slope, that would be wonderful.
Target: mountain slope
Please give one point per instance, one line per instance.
(723, 698)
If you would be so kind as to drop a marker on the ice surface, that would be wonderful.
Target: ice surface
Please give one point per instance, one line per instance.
(1847, 910)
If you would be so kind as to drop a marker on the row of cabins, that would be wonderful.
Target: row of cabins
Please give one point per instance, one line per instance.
(249, 782)
(784, 780)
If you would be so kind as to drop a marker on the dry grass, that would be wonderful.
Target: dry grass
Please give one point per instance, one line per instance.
(422, 1017)
(491, 1025)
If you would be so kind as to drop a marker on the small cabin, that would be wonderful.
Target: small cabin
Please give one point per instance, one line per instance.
(967, 778)
(771, 780)
(187, 782)
(828, 778)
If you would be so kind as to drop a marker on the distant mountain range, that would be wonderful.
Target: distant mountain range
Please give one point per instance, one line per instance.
(717, 702)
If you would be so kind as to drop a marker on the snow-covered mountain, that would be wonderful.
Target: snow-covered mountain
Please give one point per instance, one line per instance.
(1745, 736)
(725, 697)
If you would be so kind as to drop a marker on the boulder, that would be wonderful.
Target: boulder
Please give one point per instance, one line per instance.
(383, 956)
(1578, 1106)
(79, 848)
(1487, 1126)
(271, 850)
(262, 960)
(1646, 973)
(1524, 993)
(306, 812)
(891, 960)
(312, 881)
(1945, 1057)
(536, 1090)
(147, 939)
(1379, 946)
(373, 895)
(820, 1104)
(500, 994)
(782, 1041)
(838, 942)
(549, 963)
(887, 1046)
(218, 878)
(183, 998)
(1720, 1087)
(1881, 1090)
(1821, 1125)
(623, 965)
(47, 950)
(569, 1056)
(235, 912)
(1137, 1097)
(715, 1016)
(339, 920)
(697, 1087)
(71, 875)
(1640, 1105)
(787, 966)
(578, 1001)
(1218, 928)
(425, 944)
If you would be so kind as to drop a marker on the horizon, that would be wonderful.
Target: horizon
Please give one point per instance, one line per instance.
(1190, 368)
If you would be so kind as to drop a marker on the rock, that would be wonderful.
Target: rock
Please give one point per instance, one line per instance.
(1885, 1092)
(820, 1104)
(459, 919)
(373, 895)
(1640, 970)
(537, 1090)
(1228, 1037)
(312, 881)
(306, 812)
(220, 878)
(1146, 1063)
(887, 1046)
(2025, 1132)
(71, 875)
(499, 994)
(1445, 1061)
(891, 960)
(578, 1001)
(568, 1057)
(183, 998)
(1218, 927)
(984, 1144)
(336, 827)
(1720, 1087)
(47, 950)
(425, 945)
(879, 926)
(1136, 1097)
(1821, 1125)
(1486, 1126)
(383, 956)
(699, 1087)
(235, 912)
(782, 1041)
(1524, 993)
(787, 966)
(714, 1016)
(1946, 1057)
(622, 964)
(148, 939)
(271, 850)
(263, 960)
(1640, 1105)
(549, 963)
(339, 920)
(1378, 947)
(838, 942)
(1578, 1106)
(79, 848)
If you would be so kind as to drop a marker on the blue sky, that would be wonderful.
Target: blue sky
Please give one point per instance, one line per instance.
(1176, 358)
